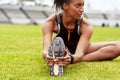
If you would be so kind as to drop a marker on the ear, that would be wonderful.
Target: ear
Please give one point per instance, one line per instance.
(65, 6)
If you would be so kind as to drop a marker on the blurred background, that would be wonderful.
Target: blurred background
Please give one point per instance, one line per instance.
(98, 12)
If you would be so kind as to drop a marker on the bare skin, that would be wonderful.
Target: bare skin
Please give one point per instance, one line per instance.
(84, 51)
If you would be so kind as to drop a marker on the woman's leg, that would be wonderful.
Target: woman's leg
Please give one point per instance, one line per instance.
(102, 51)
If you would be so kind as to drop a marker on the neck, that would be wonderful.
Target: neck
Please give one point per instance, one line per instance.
(67, 20)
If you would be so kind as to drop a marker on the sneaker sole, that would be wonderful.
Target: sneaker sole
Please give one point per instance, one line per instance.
(56, 49)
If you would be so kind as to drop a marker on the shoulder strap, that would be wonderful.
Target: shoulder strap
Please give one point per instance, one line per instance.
(58, 21)
(78, 23)
(58, 18)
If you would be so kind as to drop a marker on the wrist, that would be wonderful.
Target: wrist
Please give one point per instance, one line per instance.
(77, 58)
(44, 54)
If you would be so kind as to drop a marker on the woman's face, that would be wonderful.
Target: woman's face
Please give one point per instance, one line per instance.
(75, 8)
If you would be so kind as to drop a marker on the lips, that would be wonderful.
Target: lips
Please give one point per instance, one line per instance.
(79, 15)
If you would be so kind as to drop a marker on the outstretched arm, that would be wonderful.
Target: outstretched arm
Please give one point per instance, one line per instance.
(47, 29)
(84, 41)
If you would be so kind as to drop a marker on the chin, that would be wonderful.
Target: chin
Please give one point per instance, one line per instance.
(78, 17)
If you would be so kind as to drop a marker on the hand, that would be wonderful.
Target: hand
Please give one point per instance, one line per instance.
(49, 60)
(63, 61)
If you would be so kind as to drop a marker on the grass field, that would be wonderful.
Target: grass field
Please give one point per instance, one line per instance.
(20, 56)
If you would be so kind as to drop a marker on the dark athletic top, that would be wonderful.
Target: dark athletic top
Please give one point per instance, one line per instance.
(70, 38)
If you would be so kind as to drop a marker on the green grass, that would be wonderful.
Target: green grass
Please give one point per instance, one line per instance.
(105, 34)
(21, 49)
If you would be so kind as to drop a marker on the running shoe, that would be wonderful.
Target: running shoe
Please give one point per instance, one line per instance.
(56, 49)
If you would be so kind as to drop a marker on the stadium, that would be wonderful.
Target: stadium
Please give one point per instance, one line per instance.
(18, 14)
(21, 42)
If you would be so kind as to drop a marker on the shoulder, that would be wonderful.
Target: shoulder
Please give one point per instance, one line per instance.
(50, 19)
(50, 22)
(86, 25)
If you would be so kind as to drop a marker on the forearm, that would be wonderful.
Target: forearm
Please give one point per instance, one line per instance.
(84, 42)
(46, 42)
(77, 58)
(44, 54)
(47, 36)
(81, 50)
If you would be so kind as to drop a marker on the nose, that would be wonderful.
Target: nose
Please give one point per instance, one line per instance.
(82, 9)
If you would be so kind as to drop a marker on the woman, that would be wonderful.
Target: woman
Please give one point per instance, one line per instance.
(72, 11)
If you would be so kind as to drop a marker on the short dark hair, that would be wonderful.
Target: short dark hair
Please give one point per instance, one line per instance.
(58, 3)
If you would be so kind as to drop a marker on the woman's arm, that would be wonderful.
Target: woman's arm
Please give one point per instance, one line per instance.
(47, 29)
(84, 41)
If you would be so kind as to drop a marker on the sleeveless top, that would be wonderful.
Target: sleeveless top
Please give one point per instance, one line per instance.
(70, 38)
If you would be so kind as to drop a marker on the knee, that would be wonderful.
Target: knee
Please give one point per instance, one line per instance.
(115, 49)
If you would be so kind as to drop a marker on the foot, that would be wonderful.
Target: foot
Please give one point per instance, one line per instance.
(56, 49)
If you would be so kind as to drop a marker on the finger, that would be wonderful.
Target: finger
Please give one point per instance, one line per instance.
(48, 57)
(50, 60)
(60, 58)
(50, 63)
(63, 64)
(63, 58)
